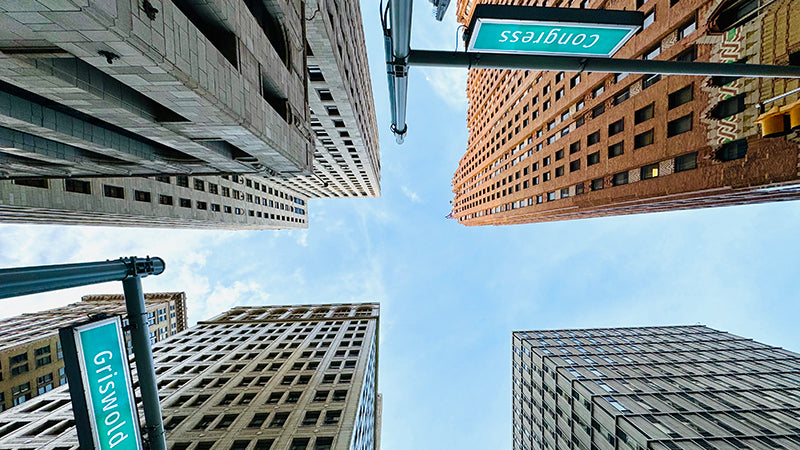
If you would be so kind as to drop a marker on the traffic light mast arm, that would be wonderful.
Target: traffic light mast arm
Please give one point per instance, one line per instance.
(609, 65)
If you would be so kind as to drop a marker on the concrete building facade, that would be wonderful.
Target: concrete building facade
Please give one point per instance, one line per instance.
(670, 388)
(549, 146)
(125, 93)
(278, 377)
(31, 362)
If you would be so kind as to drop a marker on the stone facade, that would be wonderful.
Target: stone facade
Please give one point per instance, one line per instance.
(30, 351)
(549, 146)
(253, 378)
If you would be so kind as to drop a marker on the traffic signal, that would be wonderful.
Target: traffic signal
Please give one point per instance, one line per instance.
(780, 121)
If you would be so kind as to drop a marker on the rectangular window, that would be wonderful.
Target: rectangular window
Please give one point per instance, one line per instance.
(551, 196)
(165, 200)
(315, 74)
(559, 171)
(575, 147)
(598, 91)
(649, 18)
(575, 165)
(546, 176)
(598, 110)
(213, 188)
(619, 179)
(622, 96)
(649, 80)
(616, 127)
(43, 361)
(615, 150)
(141, 196)
(182, 181)
(681, 96)
(728, 107)
(559, 155)
(559, 93)
(202, 205)
(185, 203)
(686, 162)
(687, 29)
(310, 419)
(652, 53)
(113, 191)
(644, 114)
(574, 81)
(732, 150)
(597, 184)
(279, 420)
(650, 171)
(200, 185)
(593, 138)
(592, 159)
(643, 139)
(33, 182)
(680, 125)
(79, 186)
(325, 95)
(579, 189)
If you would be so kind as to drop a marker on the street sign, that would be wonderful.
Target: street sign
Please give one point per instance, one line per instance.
(96, 363)
(551, 31)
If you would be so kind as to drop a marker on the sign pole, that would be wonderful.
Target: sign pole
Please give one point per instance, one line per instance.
(140, 340)
(579, 64)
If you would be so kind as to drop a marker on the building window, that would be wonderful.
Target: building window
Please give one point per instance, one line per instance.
(18, 370)
(592, 159)
(597, 184)
(279, 420)
(679, 126)
(643, 139)
(213, 188)
(649, 18)
(559, 171)
(559, 155)
(199, 184)
(616, 127)
(325, 95)
(650, 171)
(681, 96)
(315, 74)
(598, 91)
(559, 93)
(649, 80)
(728, 107)
(575, 147)
(43, 361)
(559, 77)
(546, 161)
(165, 200)
(622, 96)
(141, 196)
(546, 89)
(593, 138)
(688, 55)
(163, 179)
(202, 205)
(619, 179)
(113, 191)
(182, 181)
(78, 186)
(598, 110)
(574, 81)
(733, 13)
(575, 165)
(644, 114)
(33, 182)
(579, 189)
(652, 53)
(215, 207)
(185, 203)
(546, 176)
(551, 196)
(732, 150)
(687, 29)
(686, 162)
(615, 150)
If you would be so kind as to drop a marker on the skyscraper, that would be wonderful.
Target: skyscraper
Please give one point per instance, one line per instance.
(678, 388)
(279, 377)
(30, 351)
(549, 146)
(115, 113)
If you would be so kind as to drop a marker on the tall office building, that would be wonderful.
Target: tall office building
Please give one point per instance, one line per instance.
(670, 388)
(549, 146)
(253, 378)
(30, 351)
(127, 112)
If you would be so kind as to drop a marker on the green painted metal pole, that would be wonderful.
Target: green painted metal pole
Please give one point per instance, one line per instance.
(145, 369)
(609, 65)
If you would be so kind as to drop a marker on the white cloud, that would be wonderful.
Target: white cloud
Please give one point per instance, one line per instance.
(411, 194)
(450, 84)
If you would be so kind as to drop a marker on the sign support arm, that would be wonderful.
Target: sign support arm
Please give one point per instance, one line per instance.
(581, 64)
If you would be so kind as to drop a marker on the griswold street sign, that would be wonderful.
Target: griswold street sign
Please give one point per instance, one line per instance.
(551, 31)
(96, 363)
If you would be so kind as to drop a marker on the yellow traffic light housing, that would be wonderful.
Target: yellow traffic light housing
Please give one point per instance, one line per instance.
(773, 123)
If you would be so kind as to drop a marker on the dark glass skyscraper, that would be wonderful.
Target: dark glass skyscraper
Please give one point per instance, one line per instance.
(683, 387)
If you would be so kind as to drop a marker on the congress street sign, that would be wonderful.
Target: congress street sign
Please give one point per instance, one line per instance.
(551, 31)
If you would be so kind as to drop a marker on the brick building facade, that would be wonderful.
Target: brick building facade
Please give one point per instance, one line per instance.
(549, 146)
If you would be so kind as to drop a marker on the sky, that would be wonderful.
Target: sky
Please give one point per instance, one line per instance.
(451, 295)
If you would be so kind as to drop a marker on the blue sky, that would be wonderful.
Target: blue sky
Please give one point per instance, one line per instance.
(451, 295)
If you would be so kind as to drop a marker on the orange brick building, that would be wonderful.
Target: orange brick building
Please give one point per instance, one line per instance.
(549, 146)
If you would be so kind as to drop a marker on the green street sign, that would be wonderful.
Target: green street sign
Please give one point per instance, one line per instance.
(96, 362)
(551, 31)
